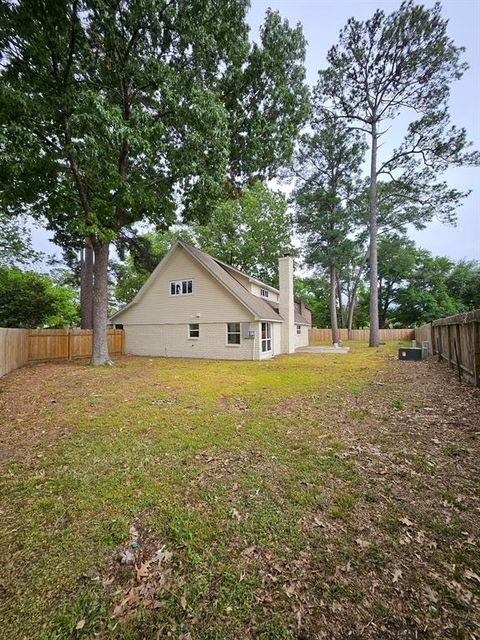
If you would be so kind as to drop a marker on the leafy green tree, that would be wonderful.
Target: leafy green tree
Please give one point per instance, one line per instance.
(463, 284)
(29, 299)
(389, 65)
(414, 286)
(15, 242)
(139, 255)
(248, 232)
(351, 275)
(425, 296)
(327, 168)
(397, 258)
(118, 112)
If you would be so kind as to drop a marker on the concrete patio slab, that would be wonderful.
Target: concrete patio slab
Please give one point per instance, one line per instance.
(331, 349)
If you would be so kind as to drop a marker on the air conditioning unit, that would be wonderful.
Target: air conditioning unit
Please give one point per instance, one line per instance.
(410, 353)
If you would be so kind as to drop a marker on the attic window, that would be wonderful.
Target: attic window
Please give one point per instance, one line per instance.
(181, 287)
(264, 293)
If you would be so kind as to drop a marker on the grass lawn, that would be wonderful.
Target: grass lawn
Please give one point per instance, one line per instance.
(310, 496)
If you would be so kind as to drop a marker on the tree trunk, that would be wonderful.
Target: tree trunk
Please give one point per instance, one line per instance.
(352, 303)
(374, 339)
(340, 302)
(351, 306)
(86, 286)
(351, 310)
(100, 303)
(333, 304)
(385, 306)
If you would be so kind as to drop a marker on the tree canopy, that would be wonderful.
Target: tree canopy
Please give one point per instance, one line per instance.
(29, 300)
(16, 242)
(249, 232)
(117, 112)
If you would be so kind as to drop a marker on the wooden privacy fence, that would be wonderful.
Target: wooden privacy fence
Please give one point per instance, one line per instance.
(13, 349)
(68, 344)
(424, 334)
(457, 340)
(362, 334)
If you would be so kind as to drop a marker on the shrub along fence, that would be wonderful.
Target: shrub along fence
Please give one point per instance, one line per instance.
(457, 340)
(362, 334)
(19, 346)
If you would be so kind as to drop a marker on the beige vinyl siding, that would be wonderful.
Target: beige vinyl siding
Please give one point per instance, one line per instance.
(302, 339)
(255, 289)
(171, 340)
(209, 302)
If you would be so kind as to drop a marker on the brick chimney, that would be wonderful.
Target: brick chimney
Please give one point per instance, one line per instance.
(286, 305)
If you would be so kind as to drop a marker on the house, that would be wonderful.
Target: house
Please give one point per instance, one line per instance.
(195, 306)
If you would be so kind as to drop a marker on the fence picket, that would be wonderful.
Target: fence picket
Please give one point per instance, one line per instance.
(324, 335)
(456, 339)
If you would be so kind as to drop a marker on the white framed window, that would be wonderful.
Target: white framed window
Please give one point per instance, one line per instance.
(266, 337)
(233, 333)
(193, 330)
(299, 330)
(264, 293)
(181, 287)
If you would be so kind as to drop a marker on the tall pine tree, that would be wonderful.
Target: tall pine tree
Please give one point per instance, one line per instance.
(392, 64)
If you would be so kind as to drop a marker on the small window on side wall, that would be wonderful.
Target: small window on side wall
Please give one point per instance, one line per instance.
(193, 330)
(233, 333)
(299, 329)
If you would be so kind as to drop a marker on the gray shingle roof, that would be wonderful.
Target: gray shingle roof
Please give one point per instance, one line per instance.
(258, 306)
(299, 319)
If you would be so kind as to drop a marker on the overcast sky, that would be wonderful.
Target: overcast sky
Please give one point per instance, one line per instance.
(322, 21)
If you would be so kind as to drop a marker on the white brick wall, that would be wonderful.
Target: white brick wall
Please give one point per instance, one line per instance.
(172, 340)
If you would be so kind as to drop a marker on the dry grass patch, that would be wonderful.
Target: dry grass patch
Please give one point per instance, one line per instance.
(306, 497)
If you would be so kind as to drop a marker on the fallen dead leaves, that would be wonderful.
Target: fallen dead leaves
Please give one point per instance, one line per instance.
(138, 574)
(404, 562)
(152, 577)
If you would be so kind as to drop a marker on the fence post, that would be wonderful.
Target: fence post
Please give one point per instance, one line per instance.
(476, 353)
(69, 345)
(449, 338)
(458, 350)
